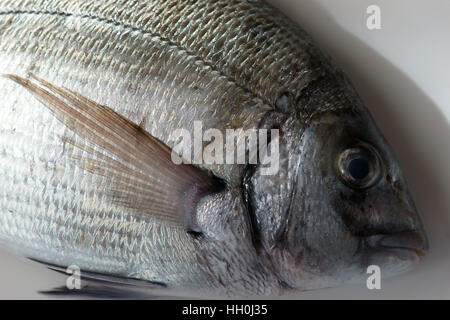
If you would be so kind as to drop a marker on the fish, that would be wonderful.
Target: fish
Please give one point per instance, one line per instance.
(93, 93)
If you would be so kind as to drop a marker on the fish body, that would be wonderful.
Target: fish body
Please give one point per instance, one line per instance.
(158, 66)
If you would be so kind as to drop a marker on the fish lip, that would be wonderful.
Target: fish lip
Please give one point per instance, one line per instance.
(406, 254)
(414, 241)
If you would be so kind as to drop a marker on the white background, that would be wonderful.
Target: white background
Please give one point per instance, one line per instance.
(402, 73)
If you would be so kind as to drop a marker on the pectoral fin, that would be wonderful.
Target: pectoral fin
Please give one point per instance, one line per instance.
(139, 168)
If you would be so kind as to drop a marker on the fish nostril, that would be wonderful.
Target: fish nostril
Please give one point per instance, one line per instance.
(398, 185)
(388, 178)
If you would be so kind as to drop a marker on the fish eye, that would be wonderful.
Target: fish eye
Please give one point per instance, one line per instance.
(359, 167)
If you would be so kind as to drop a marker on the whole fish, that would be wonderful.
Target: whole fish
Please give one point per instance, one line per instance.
(92, 94)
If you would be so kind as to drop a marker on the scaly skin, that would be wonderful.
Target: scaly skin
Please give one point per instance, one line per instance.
(163, 65)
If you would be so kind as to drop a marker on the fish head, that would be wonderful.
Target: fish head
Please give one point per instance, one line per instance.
(343, 204)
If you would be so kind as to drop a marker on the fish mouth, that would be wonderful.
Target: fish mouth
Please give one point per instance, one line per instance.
(410, 245)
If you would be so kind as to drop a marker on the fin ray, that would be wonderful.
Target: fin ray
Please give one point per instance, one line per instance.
(140, 172)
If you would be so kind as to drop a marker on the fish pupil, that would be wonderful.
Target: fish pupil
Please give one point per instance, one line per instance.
(359, 168)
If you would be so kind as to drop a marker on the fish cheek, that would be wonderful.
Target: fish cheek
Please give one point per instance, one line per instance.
(356, 211)
(316, 242)
(380, 210)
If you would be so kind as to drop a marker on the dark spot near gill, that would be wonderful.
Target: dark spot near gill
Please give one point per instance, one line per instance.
(218, 185)
(197, 235)
(213, 186)
(284, 103)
